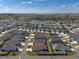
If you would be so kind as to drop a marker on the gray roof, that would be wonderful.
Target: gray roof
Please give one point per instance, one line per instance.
(16, 38)
(40, 40)
(61, 47)
(55, 39)
(76, 37)
(9, 47)
(39, 35)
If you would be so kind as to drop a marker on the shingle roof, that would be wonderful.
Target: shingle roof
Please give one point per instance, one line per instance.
(39, 35)
(55, 39)
(39, 46)
(40, 40)
(76, 37)
(9, 47)
(62, 47)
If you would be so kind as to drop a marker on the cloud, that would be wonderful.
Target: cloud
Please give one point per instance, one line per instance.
(0, 5)
(29, 2)
(63, 6)
(75, 4)
(72, 5)
(24, 2)
(50, 6)
(40, 0)
(6, 8)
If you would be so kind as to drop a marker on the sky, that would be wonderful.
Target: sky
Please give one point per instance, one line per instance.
(39, 6)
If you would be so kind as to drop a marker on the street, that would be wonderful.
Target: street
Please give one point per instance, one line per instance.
(39, 57)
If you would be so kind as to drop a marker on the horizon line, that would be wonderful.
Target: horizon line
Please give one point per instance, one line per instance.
(40, 13)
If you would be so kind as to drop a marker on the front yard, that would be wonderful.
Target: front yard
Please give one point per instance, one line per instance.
(32, 53)
(9, 53)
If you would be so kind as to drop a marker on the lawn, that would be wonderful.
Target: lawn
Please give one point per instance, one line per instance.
(13, 53)
(71, 53)
(3, 53)
(26, 33)
(32, 53)
(9, 53)
(20, 46)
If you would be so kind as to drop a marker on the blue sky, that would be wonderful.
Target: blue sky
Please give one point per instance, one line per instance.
(39, 6)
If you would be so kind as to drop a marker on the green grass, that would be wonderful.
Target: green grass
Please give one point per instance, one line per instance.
(49, 47)
(32, 53)
(20, 46)
(6, 53)
(13, 53)
(26, 33)
(71, 53)
(30, 46)
(3, 53)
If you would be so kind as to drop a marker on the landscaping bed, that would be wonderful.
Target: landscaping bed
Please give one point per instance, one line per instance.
(9, 53)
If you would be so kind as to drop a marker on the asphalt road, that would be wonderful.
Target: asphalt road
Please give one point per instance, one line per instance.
(9, 57)
(39, 57)
(53, 57)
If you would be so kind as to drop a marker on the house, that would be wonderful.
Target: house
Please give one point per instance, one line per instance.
(39, 47)
(17, 38)
(55, 39)
(76, 30)
(39, 35)
(1, 30)
(58, 45)
(76, 37)
(40, 42)
(60, 49)
(9, 47)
